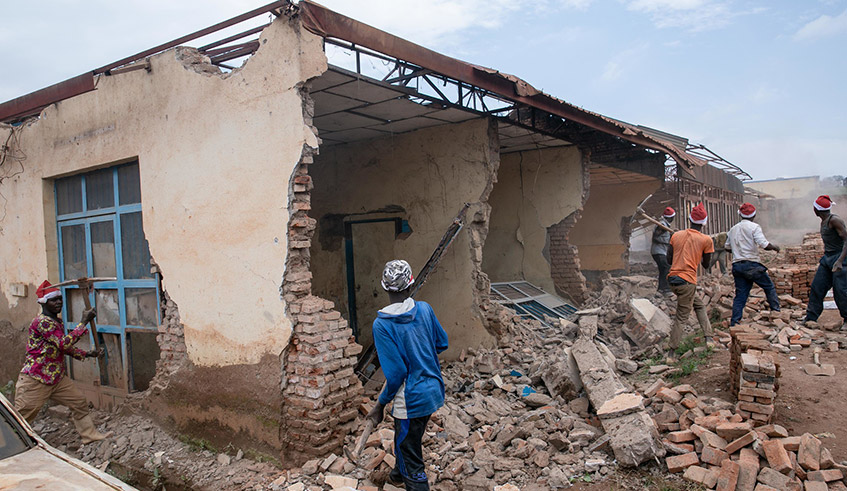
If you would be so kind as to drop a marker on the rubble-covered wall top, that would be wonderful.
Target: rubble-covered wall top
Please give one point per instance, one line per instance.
(216, 153)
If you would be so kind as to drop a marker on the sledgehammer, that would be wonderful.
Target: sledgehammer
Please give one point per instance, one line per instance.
(87, 286)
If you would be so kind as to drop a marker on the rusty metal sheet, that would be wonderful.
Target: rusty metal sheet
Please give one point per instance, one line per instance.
(326, 23)
(34, 102)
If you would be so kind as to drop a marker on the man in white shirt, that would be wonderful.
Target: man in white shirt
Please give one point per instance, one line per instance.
(744, 240)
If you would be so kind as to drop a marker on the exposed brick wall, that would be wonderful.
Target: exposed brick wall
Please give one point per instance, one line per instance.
(171, 339)
(321, 392)
(564, 257)
(564, 260)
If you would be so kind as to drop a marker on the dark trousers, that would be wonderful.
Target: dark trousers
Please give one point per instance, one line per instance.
(745, 274)
(408, 451)
(824, 280)
(664, 269)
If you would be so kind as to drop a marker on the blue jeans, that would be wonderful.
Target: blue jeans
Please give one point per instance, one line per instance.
(745, 274)
(824, 280)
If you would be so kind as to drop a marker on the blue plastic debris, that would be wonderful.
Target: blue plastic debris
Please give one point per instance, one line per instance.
(515, 373)
(527, 390)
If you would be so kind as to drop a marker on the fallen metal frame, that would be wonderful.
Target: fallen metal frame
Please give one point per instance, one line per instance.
(545, 305)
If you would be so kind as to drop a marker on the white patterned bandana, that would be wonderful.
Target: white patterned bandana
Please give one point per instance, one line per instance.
(397, 276)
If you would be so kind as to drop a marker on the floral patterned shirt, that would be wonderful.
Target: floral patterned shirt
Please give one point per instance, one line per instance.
(47, 346)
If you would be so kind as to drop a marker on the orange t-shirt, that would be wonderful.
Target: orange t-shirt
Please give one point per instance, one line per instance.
(689, 246)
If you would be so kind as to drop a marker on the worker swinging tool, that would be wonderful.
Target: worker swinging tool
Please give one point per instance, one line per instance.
(44, 375)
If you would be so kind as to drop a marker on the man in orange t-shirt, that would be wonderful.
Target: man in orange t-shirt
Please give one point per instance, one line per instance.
(689, 249)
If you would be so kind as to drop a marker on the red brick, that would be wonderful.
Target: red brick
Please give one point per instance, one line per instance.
(826, 475)
(713, 456)
(731, 431)
(777, 456)
(728, 477)
(682, 436)
(740, 443)
(679, 463)
(809, 454)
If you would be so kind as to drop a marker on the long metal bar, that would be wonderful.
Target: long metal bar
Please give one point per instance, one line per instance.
(234, 37)
(325, 22)
(34, 102)
(194, 35)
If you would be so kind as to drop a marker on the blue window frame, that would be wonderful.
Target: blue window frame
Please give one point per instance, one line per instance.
(100, 234)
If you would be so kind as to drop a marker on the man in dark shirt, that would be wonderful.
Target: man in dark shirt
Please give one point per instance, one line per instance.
(832, 270)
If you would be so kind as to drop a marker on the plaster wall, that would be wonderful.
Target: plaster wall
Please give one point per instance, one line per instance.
(425, 177)
(598, 234)
(535, 190)
(216, 153)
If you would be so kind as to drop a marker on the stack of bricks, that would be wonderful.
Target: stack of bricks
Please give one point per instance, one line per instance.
(799, 266)
(793, 281)
(321, 392)
(754, 374)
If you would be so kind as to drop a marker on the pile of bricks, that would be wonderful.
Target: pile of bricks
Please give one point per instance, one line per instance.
(754, 375)
(713, 444)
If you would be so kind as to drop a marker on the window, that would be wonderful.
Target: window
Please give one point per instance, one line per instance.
(101, 234)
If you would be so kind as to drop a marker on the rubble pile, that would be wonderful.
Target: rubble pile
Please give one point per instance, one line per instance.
(714, 444)
(142, 453)
(515, 415)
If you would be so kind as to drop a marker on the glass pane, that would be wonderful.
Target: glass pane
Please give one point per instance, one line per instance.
(143, 353)
(114, 359)
(141, 307)
(99, 192)
(75, 305)
(103, 249)
(108, 309)
(69, 195)
(134, 250)
(73, 252)
(129, 184)
(11, 442)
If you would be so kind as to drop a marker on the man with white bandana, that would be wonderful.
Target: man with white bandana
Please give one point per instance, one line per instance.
(408, 338)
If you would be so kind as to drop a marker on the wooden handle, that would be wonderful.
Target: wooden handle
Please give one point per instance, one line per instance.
(360, 445)
(101, 362)
(658, 223)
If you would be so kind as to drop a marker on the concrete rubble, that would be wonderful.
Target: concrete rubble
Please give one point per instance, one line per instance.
(551, 404)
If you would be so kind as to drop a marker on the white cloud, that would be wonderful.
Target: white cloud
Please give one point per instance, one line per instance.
(624, 61)
(440, 22)
(691, 15)
(823, 26)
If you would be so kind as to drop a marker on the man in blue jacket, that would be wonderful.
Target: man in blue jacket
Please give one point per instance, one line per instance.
(408, 338)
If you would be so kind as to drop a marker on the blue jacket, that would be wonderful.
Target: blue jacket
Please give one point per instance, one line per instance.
(408, 345)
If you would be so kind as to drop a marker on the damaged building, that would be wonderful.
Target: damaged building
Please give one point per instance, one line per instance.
(246, 213)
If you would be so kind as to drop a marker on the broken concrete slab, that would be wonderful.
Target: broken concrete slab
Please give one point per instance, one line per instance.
(825, 370)
(621, 405)
(646, 325)
(633, 437)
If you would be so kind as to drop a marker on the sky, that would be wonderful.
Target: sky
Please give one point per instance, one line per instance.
(759, 82)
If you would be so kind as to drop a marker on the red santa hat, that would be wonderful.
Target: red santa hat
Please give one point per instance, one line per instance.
(747, 210)
(669, 212)
(698, 215)
(823, 203)
(46, 291)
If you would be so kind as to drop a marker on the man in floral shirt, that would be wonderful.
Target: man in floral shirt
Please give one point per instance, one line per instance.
(44, 375)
